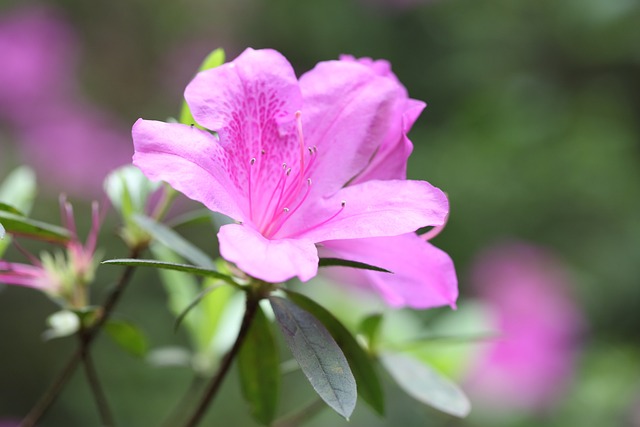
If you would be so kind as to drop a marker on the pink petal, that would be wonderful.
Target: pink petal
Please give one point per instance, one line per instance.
(348, 113)
(390, 162)
(189, 159)
(423, 275)
(251, 102)
(273, 261)
(22, 275)
(371, 209)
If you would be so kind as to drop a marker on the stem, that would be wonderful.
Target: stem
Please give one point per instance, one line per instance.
(305, 414)
(216, 382)
(96, 388)
(168, 195)
(53, 392)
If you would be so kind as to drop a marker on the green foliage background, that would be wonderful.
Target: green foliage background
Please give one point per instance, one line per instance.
(532, 129)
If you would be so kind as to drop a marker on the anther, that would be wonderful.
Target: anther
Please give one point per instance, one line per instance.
(252, 161)
(286, 209)
(343, 203)
(263, 152)
(284, 166)
(310, 150)
(288, 171)
(309, 181)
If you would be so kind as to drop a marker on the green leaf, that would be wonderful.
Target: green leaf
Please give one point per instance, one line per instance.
(19, 224)
(128, 190)
(319, 356)
(197, 300)
(186, 268)
(8, 208)
(203, 321)
(337, 262)
(173, 240)
(369, 387)
(370, 328)
(213, 60)
(2, 232)
(426, 385)
(127, 336)
(19, 189)
(259, 369)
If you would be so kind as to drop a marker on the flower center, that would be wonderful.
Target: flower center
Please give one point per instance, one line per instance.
(289, 193)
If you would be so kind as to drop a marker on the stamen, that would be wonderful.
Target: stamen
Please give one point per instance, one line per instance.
(286, 210)
(252, 161)
(343, 204)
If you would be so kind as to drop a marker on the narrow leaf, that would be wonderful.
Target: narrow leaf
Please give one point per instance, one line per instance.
(369, 386)
(319, 356)
(2, 231)
(8, 208)
(259, 369)
(177, 243)
(200, 271)
(21, 225)
(193, 304)
(370, 328)
(127, 336)
(337, 262)
(426, 385)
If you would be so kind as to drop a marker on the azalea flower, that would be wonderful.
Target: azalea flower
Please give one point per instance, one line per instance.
(64, 278)
(526, 291)
(280, 157)
(424, 276)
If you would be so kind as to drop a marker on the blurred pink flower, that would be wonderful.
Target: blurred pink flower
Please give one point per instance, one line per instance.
(73, 147)
(37, 53)
(283, 152)
(423, 275)
(527, 291)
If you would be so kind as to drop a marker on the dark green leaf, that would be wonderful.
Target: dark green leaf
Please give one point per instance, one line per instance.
(19, 224)
(319, 356)
(369, 387)
(173, 240)
(200, 271)
(426, 385)
(127, 336)
(370, 328)
(259, 368)
(337, 262)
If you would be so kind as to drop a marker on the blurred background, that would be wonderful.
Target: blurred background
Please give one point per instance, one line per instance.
(531, 128)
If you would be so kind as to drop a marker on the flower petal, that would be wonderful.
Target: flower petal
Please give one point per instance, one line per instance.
(189, 159)
(371, 209)
(251, 102)
(273, 261)
(390, 161)
(423, 275)
(349, 110)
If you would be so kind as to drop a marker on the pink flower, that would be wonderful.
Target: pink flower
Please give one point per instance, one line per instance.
(281, 157)
(424, 276)
(55, 274)
(527, 291)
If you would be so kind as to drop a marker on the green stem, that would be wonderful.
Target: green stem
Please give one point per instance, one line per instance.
(50, 396)
(253, 299)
